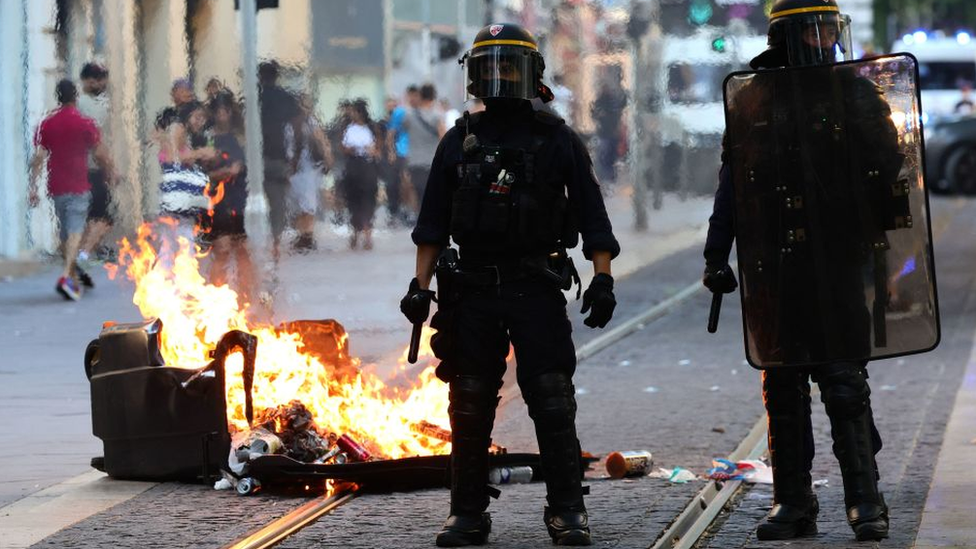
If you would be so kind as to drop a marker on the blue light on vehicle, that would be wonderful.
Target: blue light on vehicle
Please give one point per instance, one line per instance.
(920, 37)
(908, 268)
(908, 39)
(925, 118)
(963, 38)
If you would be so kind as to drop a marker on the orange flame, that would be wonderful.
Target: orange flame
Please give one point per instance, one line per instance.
(195, 314)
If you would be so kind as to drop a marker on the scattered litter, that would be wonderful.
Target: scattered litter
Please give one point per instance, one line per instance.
(752, 471)
(223, 484)
(678, 475)
(624, 363)
(581, 391)
(901, 362)
(758, 495)
(684, 362)
(718, 429)
(640, 326)
(290, 430)
(510, 475)
(735, 371)
(889, 387)
(821, 483)
(714, 388)
(651, 389)
(629, 464)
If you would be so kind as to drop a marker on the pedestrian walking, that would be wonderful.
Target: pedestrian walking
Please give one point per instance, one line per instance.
(514, 188)
(183, 188)
(181, 93)
(424, 124)
(63, 143)
(607, 112)
(279, 108)
(810, 159)
(396, 146)
(310, 155)
(94, 103)
(228, 196)
(359, 182)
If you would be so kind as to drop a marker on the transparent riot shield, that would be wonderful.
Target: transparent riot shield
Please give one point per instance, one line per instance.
(832, 220)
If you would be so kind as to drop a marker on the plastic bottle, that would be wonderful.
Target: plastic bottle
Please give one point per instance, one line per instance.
(510, 475)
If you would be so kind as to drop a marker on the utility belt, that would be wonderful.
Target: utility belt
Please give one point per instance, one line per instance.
(557, 268)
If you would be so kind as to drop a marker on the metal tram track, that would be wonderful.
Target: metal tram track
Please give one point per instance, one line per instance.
(683, 533)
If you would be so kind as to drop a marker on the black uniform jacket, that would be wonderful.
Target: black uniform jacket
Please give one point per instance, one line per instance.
(565, 158)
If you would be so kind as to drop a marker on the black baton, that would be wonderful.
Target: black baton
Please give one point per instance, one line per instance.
(418, 329)
(715, 312)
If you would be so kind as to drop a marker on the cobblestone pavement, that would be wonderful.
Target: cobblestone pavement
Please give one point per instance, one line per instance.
(912, 398)
(670, 388)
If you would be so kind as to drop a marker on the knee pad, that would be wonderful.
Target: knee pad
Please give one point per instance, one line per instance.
(786, 393)
(551, 398)
(473, 396)
(845, 394)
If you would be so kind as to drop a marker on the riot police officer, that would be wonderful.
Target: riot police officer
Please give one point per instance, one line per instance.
(804, 302)
(514, 188)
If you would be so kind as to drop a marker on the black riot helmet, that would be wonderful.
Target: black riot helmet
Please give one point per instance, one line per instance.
(504, 61)
(808, 32)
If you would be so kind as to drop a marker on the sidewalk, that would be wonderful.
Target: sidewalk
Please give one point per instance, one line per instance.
(948, 518)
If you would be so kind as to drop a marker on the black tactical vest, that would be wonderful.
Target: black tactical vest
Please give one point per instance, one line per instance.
(504, 203)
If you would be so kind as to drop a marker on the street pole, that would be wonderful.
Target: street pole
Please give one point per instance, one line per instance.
(425, 42)
(636, 152)
(252, 115)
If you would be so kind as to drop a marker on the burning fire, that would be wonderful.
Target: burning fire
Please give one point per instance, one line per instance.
(196, 314)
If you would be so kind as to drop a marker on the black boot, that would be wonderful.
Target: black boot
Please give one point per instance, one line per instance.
(847, 398)
(867, 512)
(795, 507)
(465, 530)
(551, 399)
(472, 410)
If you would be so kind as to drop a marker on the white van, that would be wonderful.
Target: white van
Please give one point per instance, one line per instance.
(944, 63)
(692, 111)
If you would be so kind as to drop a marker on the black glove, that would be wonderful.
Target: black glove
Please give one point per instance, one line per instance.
(720, 280)
(599, 297)
(416, 304)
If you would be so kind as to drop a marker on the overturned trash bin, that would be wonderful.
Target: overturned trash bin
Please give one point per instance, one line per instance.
(158, 422)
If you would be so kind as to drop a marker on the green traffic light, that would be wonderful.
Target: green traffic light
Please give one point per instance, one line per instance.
(700, 12)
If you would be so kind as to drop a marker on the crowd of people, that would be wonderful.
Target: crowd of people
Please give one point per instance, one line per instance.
(203, 188)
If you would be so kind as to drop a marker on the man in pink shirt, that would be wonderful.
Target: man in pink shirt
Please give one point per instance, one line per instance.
(64, 139)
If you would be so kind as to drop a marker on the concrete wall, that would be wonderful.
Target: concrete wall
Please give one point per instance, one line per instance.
(13, 161)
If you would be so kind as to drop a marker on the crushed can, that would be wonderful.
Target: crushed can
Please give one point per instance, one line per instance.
(629, 464)
(353, 449)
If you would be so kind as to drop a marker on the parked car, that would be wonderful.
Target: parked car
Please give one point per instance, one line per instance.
(950, 156)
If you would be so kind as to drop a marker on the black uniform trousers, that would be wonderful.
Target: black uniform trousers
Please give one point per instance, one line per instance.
(528, 313)
(475, 331)
(845, 393)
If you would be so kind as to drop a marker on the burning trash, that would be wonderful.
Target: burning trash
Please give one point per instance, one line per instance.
(199, 387)
(181, 378)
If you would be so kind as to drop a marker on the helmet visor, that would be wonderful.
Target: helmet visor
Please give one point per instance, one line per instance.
(500, 71)
(817, 38)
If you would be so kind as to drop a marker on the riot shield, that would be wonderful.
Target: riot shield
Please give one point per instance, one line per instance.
(832, 220)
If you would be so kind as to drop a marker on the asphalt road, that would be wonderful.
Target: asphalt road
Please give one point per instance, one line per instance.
(670, 388)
